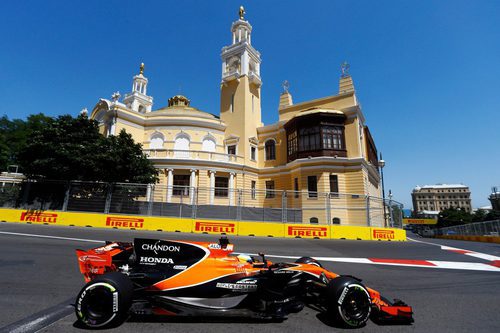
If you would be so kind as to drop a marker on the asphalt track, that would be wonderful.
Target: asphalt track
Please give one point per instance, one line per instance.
(40, 279)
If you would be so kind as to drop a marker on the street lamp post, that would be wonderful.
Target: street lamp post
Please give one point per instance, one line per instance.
(391, 218)
(381, 164)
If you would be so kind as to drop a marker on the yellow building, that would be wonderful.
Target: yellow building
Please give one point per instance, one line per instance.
(320, 151)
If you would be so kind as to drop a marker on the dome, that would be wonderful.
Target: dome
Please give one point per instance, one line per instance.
(178, 100)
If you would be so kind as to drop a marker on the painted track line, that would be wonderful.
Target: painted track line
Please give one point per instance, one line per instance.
(52, 237)
(493, 267)
(470, 253)
(41, 319)
(404, 263)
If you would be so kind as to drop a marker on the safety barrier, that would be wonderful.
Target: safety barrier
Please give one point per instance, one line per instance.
(484, 239)
(167, 224)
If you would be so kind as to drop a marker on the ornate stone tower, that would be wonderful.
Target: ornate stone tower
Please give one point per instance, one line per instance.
(240, 89)
(138, 100)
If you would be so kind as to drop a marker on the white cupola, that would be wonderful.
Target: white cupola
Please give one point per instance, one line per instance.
(240, 58)
(138, 100)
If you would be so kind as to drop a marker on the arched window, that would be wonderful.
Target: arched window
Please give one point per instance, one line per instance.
(156, 141)
(142, 109)
(181, 146)
(270, 150)
(208, 144)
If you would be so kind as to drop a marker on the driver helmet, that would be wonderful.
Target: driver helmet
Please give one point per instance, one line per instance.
(244, 258)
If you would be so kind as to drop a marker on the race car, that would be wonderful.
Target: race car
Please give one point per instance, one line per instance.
(187, 278)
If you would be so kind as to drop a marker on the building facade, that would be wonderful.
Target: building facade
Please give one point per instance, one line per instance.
(317, 146)
(436, 198)
(495, 198)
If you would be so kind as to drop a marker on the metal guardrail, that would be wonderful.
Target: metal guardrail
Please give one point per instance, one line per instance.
(204, 202)
(488, 228)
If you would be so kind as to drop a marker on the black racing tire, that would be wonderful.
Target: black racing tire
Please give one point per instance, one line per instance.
(104, 302)
(348, 302)
(308, 260)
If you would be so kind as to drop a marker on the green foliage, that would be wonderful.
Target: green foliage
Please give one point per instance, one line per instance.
(14, 135)
(453, 216)
(479, 215)
(492, 215)
(70, 148)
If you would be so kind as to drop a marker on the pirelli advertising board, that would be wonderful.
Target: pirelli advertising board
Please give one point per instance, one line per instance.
(215, 227)
(420, 221)
(307, 231)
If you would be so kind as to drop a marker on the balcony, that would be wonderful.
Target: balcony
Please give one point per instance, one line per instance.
(230, 75)
(193, 155)
(254, 78)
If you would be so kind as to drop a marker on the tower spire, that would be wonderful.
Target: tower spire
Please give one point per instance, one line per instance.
(242, 13)
(138, 100)
(346, 84)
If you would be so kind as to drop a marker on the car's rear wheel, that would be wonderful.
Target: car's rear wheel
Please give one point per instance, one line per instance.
(348, 301)
(104, 301)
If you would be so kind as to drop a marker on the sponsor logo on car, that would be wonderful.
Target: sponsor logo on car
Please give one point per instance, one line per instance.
(91, 257)
(284, 271)
(157, 247)
(115, 302)
(342, 296)
(229, 228)
(124, 222)
(383, 234)
(234, 286)
(215, 246)
(247, 281)
(155, 260)
(106, 248)
(180, 267)
(307, 231)
(41, 217)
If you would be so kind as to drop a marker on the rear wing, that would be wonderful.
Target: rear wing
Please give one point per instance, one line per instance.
(99, 260)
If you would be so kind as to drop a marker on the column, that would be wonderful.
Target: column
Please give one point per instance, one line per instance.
(212, 187)
(245, 59)
(231, 189)
(112, 128)
(192, 183)
(170, 184)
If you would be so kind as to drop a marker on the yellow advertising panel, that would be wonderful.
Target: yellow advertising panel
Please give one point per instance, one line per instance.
(348, 232)
(217, 227)
(388, 234)
(420, 221)
(307, 231)
(261, 229)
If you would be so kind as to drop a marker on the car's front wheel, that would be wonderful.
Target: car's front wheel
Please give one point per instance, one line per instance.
(348, 301)
(104, 301)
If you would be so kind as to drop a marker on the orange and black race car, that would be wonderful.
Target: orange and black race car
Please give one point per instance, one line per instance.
(181, 278)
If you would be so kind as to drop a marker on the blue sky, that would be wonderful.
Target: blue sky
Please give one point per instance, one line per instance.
(426, 72)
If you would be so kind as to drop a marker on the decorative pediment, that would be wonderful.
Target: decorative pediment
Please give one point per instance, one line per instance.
(253, 140)
(232, 139)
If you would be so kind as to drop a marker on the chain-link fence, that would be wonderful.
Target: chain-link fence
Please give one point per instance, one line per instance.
(488, 228)
(204, 202)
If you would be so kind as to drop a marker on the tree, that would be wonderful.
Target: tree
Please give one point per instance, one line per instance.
(14, 135)
(479, 215)
(453, 216)
(492, 215)
(70, 148)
